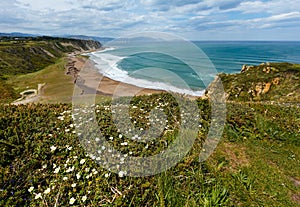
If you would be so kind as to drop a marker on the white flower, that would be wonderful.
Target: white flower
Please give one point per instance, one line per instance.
(78, 176)
(120, 136)
(56, 170)
(72, 201)
(67, 130)
(103, 147)
(87, 169)
(37, 196)
(82, 161)
(111, 138)
(106, 175)
(30, 189)
(70, 169)
(65, 178)
(83, 198)
(121, 174)
(47, 191)
(45, 166)
(53, 148)
(73, 185)
(50, 135)
(69, 147)
(124, 144)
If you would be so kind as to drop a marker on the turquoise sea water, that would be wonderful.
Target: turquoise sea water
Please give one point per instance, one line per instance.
(187, 67)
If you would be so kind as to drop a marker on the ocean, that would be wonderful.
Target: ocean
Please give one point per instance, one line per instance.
(186, 67)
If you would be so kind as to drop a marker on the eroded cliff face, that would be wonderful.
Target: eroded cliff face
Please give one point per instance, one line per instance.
(32, 54)
(265, 82)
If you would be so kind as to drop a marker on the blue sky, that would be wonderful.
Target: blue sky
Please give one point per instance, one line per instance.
(191, 19)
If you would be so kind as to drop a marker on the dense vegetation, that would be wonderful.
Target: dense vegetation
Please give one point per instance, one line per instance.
(266, 82)
(257, 162)
(43, 161)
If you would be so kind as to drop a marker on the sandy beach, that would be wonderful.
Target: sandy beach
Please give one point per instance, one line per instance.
(87, 77)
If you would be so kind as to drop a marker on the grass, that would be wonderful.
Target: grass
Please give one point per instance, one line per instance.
(242, 86)
(252, 168)
(43, 161)
(58, 88)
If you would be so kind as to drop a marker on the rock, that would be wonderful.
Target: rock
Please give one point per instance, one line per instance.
(267, 70)
(258, 89)
(276, 81)
(266, 88)
(244, 68)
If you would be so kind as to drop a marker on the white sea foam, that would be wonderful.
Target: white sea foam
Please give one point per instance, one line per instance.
(107, 65)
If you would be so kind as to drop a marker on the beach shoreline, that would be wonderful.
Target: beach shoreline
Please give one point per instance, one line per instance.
(88, 78)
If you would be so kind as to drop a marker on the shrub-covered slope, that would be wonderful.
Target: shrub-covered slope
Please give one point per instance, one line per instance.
(266, 82)
(21, 56)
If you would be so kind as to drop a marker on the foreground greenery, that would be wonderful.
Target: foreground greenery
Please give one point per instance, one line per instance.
(257, 162)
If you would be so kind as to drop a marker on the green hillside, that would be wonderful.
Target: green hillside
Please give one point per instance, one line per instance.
(27, 55)
(43, 161)
(278, 82)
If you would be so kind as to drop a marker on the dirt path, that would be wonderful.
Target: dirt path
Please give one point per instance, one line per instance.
(29, 96)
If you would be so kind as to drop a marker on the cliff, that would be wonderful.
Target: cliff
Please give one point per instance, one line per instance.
(265, 82)
(25, 55)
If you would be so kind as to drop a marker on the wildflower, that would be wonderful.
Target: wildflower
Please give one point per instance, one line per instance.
(70, 169)
(56, 170)
(120, 136)
(45, 166)
(111, 138)
(73, 185)
(121, 174)
(69, 147)
(72, 201)
(83, 198)
(37, 196)
(30, 189)
(53, 148)
(78, 176)
(65, 178)
(124, 144)
(103, 147)
(47, 191)
(67, 130)
(106, 175)
(82, 161)
(50, 135)
(87, 169)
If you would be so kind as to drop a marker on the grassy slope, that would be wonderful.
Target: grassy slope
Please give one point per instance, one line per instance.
(58, 88)
(29, 55)
(288, 90)
(255, 164)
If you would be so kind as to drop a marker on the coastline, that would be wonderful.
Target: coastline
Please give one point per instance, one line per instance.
(87, 78)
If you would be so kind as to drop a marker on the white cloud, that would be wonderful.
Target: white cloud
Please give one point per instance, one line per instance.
(116, 17)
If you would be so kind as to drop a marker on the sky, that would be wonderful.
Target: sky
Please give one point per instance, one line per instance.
(190, 19)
